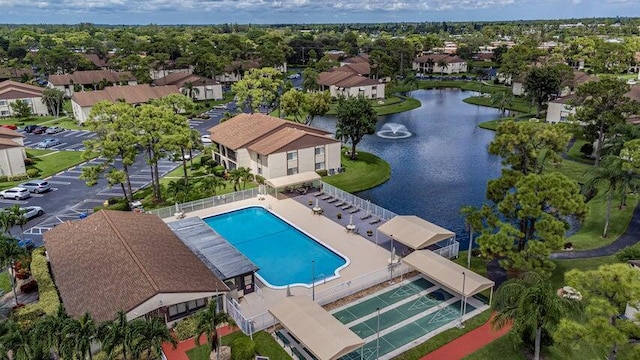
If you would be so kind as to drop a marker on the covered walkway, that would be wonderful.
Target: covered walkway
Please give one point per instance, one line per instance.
(415, 232)
(276, 185)
(322, 334)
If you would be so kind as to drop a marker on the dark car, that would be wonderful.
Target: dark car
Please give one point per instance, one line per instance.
(40, 130)
(30, 128)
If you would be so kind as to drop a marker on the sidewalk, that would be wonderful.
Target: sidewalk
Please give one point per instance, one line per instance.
(468, 343)
(180, 351)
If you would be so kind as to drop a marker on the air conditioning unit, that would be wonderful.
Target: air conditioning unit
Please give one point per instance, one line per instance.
(262, 357)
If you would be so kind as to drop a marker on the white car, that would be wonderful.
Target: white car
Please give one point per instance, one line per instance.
(206, 139)
(16, 193)
(32, 211)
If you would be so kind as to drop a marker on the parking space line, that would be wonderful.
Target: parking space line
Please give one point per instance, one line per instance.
(59, 182)
(71, 132)
(67, 177)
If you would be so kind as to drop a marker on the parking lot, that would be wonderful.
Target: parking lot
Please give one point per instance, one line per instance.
(69, 196)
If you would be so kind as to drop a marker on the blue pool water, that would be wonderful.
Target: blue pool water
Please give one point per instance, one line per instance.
(284, 254)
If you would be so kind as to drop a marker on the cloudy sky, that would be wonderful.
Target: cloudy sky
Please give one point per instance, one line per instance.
(303, 11)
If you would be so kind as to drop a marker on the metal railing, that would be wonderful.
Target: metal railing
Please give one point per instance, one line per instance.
(356, 201)
(200, 204)
(450, 251)
(235, 311)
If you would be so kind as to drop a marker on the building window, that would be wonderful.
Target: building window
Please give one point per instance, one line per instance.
(3, 102)
(259, 171)
(293, 170)
(292, 155)
(186, 308)
(320, 150)
(320, 165)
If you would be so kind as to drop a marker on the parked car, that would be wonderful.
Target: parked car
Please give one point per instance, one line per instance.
(40, 130)
(15, 193)
(36, 186)
(54, 130)
(26, 244)
(206, 139)
(32, 211)
(47, 143)
(294, 76)
(10, 126)
(30, 128)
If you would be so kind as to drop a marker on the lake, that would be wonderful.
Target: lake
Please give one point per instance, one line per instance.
(444, 164)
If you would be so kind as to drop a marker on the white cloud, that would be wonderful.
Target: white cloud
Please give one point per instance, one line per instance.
(208, 5)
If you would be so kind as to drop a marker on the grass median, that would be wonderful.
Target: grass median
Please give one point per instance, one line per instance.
(48, 163)
(366, 172)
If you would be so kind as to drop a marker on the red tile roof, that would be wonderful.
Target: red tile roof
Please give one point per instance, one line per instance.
(344, 79)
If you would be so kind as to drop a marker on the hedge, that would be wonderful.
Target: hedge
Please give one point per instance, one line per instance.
(49, 302)
(186, 328)
(242, 349)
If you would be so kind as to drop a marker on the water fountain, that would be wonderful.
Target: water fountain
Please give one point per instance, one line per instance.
(394, 131)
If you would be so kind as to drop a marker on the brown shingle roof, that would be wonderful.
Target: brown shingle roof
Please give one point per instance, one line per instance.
(344, 79)
(14, 90)
(360, 59)
(8, 73)
(242, 64)
(116, 260)
(580, 78)
(634, 93)
(179, 79)
(8, 143)
(8, 133)
(91, 77)
(96, 60)
(288, 139)
(358, 68)
(133, 94)
(244, 129)
(437, 57)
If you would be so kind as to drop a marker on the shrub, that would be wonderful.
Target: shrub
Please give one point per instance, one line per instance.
(48, 302)
(322, 172)
(260, 179)
(3, 178)
(186, 328)
(19, 177)
(242, 348)
(33, 173)
(629, 253)
(28, 162)
(218, 170)
(206, 160)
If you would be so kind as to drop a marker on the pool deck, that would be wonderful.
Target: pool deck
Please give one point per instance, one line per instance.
(364, 255)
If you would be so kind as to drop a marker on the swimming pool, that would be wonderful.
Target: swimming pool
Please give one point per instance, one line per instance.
(285, 255)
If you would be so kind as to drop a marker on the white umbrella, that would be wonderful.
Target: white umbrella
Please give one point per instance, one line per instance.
(288, 291)
(350, 219)
(317, 203)
(393, 254)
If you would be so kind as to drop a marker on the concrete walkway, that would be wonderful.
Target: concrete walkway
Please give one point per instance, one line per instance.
(630, 237)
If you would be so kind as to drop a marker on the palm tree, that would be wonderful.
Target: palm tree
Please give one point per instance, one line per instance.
(9, 252)
(151, 334)
(430, 64)
(51, 331)
(19, 340)
(210, 183)
(235, 176)
(117, 333)
(501, 100)
(7, 220)
(189, 90)
(610, 172)
(18, 217)
(207, 322)
(179, 189)
(84, 332)
(245, 176)
(412, 82)
(443, 65)
(532, 305)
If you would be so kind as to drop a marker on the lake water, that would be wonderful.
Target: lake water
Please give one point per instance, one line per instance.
(442, 167)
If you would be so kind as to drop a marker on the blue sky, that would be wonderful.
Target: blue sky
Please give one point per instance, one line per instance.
(303, 11)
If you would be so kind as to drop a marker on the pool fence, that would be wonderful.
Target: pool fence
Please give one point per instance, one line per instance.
(323, 297)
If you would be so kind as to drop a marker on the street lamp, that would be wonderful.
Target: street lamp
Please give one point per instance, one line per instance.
(391, 260)
(313, 280)
(464, 298)
(378, 335)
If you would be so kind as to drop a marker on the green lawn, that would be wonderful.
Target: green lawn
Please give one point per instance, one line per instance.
(5, 283)
(34, 120)
(367, 172)
(265, 344)
(518, 104)
(48, 162)
(574, 153)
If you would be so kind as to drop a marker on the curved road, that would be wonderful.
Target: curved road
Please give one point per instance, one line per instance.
(630, 237)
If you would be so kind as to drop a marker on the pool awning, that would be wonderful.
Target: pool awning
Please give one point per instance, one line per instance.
(295, 179)
(322, 334)
(447, 273)
(414, 232)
